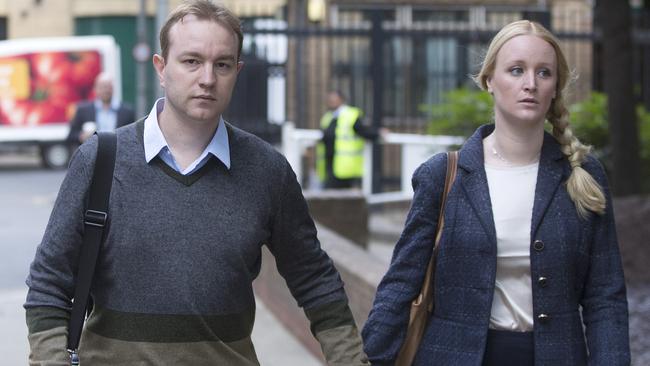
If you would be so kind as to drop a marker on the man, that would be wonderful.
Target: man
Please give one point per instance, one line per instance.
(193, 200)
(105, 113)
(340, 155)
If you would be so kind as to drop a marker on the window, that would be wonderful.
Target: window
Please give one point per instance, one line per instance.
(428, 15)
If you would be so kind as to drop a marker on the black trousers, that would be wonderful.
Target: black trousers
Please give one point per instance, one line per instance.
(335, 183)
(332, 182)
(506, 348)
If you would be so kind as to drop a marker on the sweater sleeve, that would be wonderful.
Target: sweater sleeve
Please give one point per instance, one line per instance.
(385, 329)
(52, 273)
(311, 276)
(604, 301)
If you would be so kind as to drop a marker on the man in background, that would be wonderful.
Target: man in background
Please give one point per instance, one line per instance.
(340, 154)
(101, 114)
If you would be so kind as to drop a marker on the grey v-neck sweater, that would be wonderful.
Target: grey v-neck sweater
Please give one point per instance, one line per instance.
(173, 281)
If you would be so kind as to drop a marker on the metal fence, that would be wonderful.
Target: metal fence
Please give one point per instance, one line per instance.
(392, 67)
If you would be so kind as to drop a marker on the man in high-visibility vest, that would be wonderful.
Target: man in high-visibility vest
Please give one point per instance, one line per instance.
(340, 153)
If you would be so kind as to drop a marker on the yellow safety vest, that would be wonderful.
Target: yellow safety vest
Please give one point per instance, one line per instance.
(348, 146)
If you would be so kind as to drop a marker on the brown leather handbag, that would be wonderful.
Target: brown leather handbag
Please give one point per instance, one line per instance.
(422, 306)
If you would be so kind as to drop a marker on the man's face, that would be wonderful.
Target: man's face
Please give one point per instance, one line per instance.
(200, 71)
(334, 101)
(104, 90)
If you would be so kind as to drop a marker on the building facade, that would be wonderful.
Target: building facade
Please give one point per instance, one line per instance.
(427, 47)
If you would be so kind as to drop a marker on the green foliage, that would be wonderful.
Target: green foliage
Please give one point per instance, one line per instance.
(643, 117)
(461, 112)
(588, 120)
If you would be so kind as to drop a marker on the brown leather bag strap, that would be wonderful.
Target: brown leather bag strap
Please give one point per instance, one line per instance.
(427, 285)
(452, 167)
(422, 306)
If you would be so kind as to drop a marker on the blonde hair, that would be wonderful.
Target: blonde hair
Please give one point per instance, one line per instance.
(583, 189)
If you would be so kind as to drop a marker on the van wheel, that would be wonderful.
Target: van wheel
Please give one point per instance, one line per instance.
(55, 156)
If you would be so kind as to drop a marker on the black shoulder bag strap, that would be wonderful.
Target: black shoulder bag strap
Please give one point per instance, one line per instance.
(95, 219)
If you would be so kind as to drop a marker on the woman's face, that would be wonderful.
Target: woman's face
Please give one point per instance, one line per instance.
(524, 80)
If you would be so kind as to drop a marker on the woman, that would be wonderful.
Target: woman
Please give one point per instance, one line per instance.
(529, 234)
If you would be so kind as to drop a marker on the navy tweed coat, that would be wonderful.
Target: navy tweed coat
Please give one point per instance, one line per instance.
(579, 259)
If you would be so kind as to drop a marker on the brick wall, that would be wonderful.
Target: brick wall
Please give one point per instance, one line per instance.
(344, 211)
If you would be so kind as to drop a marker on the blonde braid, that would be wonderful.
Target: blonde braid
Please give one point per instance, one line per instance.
(585, 192)
(583, 189)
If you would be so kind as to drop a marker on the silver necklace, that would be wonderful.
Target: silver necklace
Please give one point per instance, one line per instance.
(506, 161)
(498, 156)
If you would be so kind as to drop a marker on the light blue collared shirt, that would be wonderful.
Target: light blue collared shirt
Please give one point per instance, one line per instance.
(156, 145)
(106, 119)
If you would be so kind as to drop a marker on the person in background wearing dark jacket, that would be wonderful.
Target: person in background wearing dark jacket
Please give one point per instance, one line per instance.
(528, 266)
(340, 155)
(101, 114)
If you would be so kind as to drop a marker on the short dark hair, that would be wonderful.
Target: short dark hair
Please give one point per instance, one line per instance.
(340, 94)
(204, 10)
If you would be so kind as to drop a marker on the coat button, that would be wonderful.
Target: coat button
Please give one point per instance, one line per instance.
(543, 318)
(538, 245)
(542, 281)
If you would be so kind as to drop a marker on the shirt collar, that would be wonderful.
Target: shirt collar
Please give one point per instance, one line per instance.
(338, 110)
(98, 105)
(154, 140)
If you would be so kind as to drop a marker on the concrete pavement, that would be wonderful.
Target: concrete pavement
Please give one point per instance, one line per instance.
(13, 330)
(274, 344)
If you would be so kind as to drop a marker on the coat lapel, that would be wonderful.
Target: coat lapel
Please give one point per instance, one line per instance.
(551, 173)
(474, 180)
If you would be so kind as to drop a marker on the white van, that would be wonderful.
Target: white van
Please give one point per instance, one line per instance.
(41, 82)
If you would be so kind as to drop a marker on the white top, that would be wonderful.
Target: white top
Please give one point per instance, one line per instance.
(512, 193)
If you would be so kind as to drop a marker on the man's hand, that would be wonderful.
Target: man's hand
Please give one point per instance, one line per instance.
(383, 133)
(87, 130)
